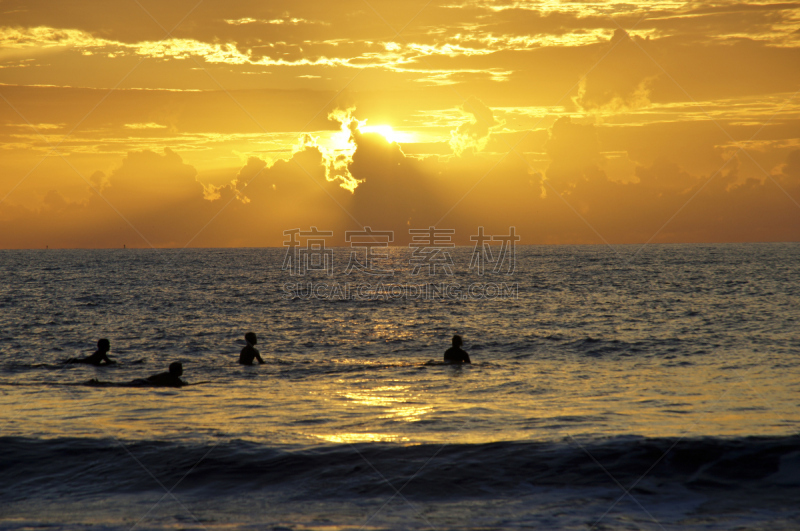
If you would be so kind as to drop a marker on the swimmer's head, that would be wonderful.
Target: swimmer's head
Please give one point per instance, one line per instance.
(251, 338)
(457, 341)
(104, 345)
(176, 368)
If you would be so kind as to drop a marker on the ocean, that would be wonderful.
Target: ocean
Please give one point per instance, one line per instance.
(621, 387)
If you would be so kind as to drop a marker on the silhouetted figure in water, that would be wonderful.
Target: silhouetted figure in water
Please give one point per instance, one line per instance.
(249, 352)
(162, 379)
(456, 354)
(99, 356)
(168, 379)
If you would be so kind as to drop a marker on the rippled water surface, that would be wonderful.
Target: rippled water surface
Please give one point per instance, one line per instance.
(677, 340)
(668, 343)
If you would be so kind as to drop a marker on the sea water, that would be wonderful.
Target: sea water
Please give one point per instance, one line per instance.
(621, 387)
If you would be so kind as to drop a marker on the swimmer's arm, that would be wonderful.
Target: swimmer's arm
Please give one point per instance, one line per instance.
(466, 358)
(258, 357)
(108, 360)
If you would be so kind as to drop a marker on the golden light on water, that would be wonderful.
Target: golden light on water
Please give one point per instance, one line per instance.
(653, 401)
(363, 437)
(400, 402)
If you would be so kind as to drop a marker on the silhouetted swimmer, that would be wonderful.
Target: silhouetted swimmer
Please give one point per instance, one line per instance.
(168, 379)
(456, 354)
(162, 379)
(249, 352)
(99, 356)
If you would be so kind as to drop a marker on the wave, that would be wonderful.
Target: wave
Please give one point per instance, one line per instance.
(86, 467)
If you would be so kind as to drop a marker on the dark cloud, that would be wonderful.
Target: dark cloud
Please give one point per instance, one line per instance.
(398, 192)
(473, 134)
(622, 76)
(575, 156)
(789, 172)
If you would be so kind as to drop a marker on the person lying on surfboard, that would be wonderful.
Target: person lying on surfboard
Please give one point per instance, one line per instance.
(162, 379)
(168, 379)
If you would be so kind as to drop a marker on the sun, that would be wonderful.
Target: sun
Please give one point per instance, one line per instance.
(341, 140)
(388, 133)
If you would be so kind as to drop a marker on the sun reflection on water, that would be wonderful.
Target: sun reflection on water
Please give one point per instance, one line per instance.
(363, 437)
(407, 405)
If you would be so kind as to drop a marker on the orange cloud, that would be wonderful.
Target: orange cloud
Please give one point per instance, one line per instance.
(473, 134)
(240, 122)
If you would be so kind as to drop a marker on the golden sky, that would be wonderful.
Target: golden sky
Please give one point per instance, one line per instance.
(218, 124)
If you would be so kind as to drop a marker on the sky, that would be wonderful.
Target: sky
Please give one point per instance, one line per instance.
(205, 123)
